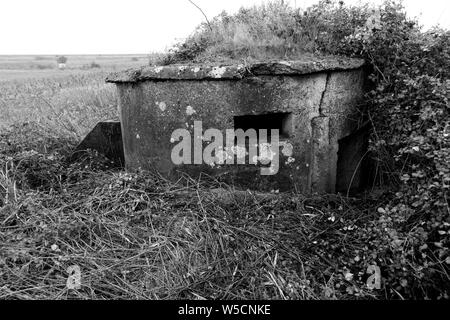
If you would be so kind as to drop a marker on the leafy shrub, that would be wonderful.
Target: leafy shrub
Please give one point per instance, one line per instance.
(408, 106)
(410, 112)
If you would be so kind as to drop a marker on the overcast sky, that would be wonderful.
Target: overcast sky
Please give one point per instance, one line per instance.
(132, 26)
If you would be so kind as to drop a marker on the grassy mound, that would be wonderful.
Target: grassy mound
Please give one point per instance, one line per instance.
(273, 30)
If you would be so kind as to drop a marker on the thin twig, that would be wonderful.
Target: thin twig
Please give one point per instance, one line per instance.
(207, 21)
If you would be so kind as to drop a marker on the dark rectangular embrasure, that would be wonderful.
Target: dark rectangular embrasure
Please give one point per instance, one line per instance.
(280, 121)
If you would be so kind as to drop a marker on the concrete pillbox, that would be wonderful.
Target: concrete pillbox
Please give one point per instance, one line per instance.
(313, 102)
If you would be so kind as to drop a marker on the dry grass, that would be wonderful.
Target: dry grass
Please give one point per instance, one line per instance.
(138, 236)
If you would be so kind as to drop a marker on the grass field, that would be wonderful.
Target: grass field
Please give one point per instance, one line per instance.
(70, 101)
(49, 62)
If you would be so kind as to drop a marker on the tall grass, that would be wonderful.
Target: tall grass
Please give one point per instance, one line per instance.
(66, 105)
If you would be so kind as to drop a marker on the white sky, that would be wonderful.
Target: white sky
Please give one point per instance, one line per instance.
(132, 26)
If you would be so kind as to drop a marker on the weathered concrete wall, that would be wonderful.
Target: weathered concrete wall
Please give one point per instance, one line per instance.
(321, 96)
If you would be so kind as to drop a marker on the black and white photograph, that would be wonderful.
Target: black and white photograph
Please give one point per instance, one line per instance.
(225, 151)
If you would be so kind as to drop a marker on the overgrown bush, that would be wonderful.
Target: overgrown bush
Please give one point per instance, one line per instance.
(410, 112)
(408, 106)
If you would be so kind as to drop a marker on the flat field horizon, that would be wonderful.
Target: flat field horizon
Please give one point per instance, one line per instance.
(16, 67)
(69, 101)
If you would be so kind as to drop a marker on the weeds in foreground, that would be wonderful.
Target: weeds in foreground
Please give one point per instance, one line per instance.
(139, 236)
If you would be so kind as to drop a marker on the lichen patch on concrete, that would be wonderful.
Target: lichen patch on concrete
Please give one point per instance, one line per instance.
(286, 148)
(161, 105)
(290, 160)
(218, 72)
(190, 111)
